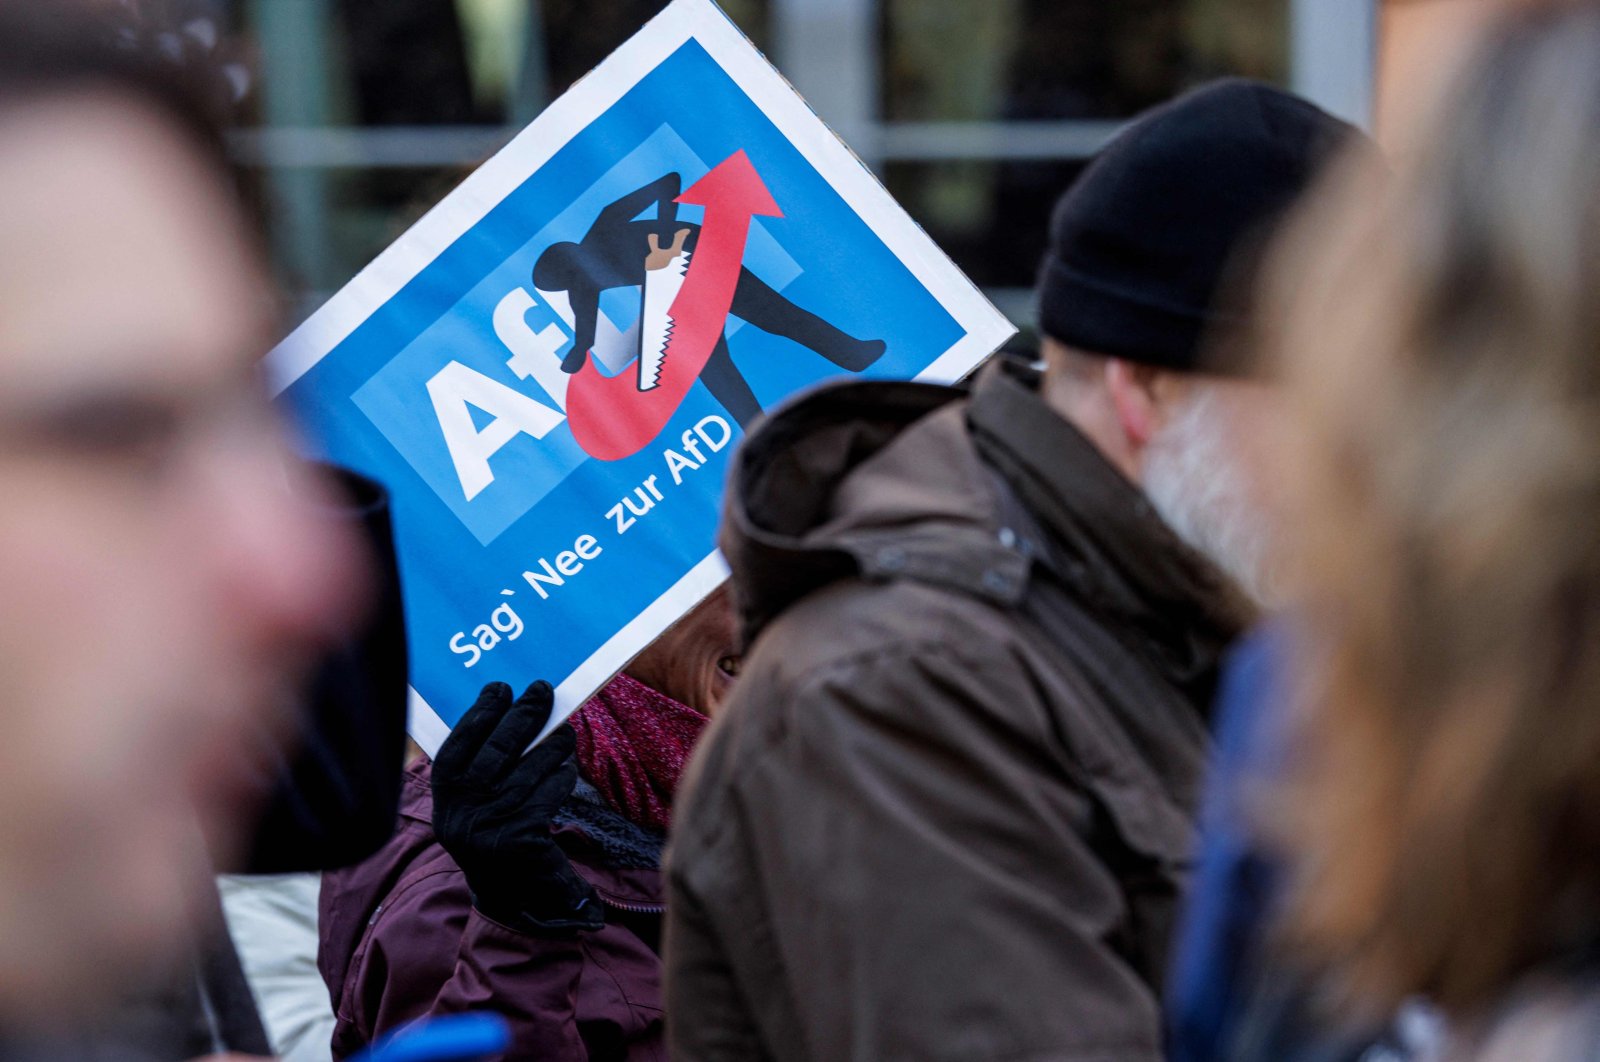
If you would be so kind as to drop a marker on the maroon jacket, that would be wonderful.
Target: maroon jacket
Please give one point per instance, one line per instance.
(400, 939)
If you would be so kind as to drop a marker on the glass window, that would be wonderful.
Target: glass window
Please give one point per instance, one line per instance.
(442, 83)
(1033, 62)
(984, 112)
(967, 60)
(990, 217)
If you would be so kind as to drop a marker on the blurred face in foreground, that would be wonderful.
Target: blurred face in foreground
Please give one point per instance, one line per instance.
(159, 585)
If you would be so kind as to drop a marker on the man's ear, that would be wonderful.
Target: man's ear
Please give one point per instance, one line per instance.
(1133, 395)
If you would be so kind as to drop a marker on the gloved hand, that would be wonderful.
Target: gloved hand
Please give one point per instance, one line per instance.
(492, 809)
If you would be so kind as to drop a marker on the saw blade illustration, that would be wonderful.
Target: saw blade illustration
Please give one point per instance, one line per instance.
(661, 286)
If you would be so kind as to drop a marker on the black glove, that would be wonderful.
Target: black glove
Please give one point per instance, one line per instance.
(492, 808)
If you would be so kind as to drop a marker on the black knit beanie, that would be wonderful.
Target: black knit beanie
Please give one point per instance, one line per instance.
(1141, 244)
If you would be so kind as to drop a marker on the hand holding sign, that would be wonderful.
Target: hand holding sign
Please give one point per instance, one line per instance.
(493, 808)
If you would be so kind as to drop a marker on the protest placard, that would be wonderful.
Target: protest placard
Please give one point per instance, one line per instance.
(552, 368)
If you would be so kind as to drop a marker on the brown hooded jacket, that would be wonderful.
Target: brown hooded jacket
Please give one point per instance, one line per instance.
(947, 813)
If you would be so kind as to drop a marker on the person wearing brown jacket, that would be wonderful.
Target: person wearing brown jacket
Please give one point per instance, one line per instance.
(947, 812)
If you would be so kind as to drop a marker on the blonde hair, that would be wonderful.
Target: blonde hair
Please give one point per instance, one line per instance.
(1442, 350)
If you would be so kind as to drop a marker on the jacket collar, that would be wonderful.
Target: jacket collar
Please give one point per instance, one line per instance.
(1104, 537)
(888, 480)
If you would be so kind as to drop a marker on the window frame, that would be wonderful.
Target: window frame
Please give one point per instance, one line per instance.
(829, 49)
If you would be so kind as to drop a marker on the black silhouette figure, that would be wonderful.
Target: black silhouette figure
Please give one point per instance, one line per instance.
(618, 250)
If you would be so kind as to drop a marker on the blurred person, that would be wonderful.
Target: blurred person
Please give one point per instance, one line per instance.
(164, 575)
(1231, 997)
(531, 885)
(947, 812)
(1442, 810)
(335, 801)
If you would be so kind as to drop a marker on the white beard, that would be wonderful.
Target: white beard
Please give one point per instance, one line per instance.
(1196, 484)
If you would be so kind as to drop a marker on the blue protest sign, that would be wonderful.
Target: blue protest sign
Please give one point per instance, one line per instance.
(552, 368)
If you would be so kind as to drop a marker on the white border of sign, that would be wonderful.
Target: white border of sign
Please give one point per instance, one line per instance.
(701, 20)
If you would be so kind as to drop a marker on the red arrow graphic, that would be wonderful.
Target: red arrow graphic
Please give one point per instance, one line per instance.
(609, 416)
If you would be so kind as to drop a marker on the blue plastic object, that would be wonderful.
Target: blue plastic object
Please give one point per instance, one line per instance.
(455, 1038)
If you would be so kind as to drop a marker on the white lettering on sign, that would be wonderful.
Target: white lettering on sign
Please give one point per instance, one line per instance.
(455, 387)
(485, 636)
(535, 355)
(551, 572)
(532, 353)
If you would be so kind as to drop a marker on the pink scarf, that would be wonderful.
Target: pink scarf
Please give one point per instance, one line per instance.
(633, 743)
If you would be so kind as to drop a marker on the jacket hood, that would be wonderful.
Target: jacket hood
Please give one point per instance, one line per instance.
(872, 479)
